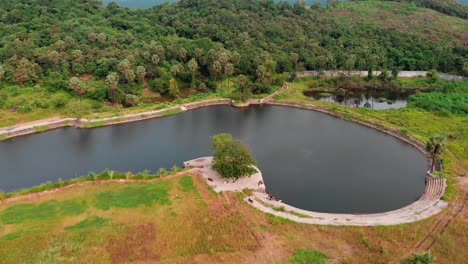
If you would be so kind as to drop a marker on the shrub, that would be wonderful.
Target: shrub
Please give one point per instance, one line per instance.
(259, 88)
(420, 258)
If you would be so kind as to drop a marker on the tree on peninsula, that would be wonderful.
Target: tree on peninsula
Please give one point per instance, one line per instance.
(231, 159)
(435, 146)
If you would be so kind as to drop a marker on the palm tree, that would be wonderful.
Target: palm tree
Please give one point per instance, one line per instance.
(435, 146)
(78, 86)
(175, 69)
(141, 71)
(229, 70)
(217, 68)
(112, 80)
(193, 67)
(261, 72)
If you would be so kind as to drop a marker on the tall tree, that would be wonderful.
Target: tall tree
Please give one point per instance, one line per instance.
(192, 65)
(217, 68)
(124, 66)
(183, 54)
(112, 81)
(79, 87)
(261, 72)
(141, 72)
(229, 71)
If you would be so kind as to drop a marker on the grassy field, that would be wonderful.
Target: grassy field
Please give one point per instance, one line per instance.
(180, 220)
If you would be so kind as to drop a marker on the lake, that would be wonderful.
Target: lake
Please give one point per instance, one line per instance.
(308, 159)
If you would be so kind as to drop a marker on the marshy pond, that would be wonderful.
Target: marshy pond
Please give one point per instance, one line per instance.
(368, 98)
(308, 159)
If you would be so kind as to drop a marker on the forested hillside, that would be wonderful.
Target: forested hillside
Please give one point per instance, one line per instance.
(201, 42)
(449, 7)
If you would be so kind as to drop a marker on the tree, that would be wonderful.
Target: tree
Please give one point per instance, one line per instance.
(294, 59)
(420, 258)
(112, 81)
(173, 86)
(25, 72)
(141, 72)
(217, 68)
(78, 86)
(130, 76)
(192, 65)
(155, 59)
(124, 66)
(229, 71)
(261, 72)
(2, 75)
(435, 146)
(231, 159)
(244, 91)
(183, 54)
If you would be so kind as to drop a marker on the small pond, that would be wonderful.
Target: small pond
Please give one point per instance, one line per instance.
(309, 159)
(369, 98)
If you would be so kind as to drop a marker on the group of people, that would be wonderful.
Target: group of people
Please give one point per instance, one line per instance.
(270, 197)
(233, 180)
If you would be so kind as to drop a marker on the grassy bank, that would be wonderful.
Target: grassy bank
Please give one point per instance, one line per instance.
(180, 220)
(103, 176)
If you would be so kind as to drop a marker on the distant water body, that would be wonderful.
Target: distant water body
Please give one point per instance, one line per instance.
(149, 3)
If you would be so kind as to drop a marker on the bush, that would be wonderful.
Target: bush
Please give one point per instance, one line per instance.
(159, 85)
(417, 258)
(259, 88)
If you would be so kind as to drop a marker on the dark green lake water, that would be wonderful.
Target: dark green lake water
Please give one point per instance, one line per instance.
(309, 160)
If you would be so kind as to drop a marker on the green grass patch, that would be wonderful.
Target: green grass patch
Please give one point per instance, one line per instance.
(172, 111)
(27, 212)
(308, 256)
(278, 209)
(278, 220)
(94, 221)
(186, 184)
(94, 124)
(41, 128)
(3, 137)
(133, 196)
(20, 233)
(300, 215)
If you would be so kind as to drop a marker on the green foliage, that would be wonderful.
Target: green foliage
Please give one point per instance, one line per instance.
(230, 158)
(133, 196)
(420, 258)
(450, 98)
(308, 256)
(91, 222)
(186, 183)
(29, 211)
